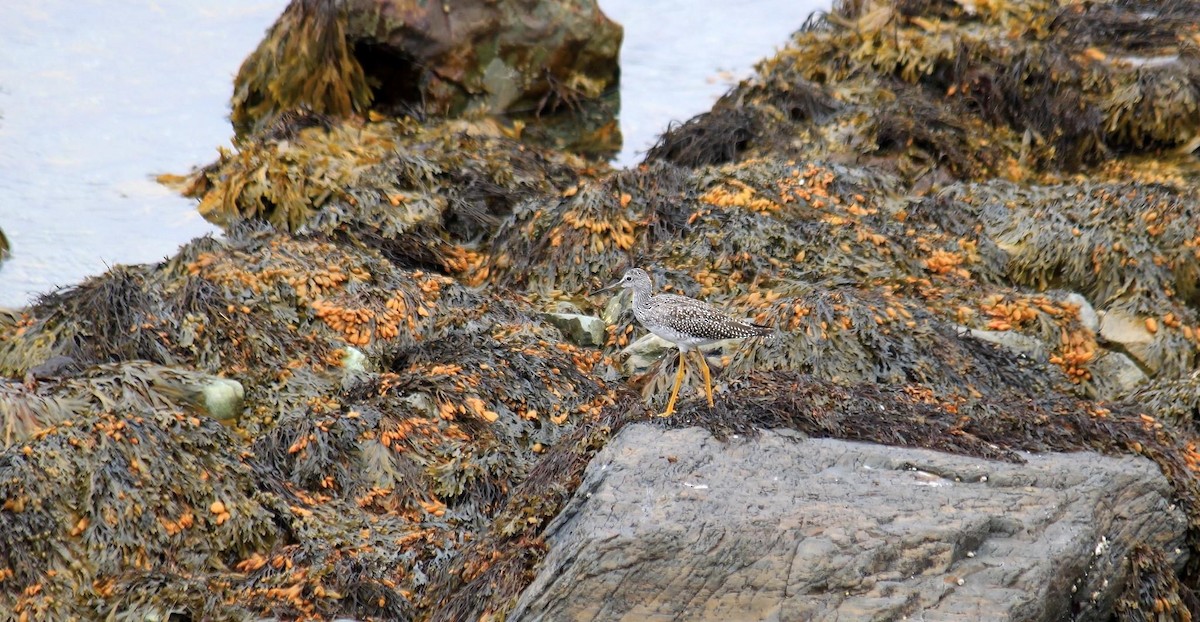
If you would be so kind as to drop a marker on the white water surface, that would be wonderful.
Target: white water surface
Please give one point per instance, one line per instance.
(96, 98)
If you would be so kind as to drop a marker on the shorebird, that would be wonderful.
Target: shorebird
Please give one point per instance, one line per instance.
(686, 322)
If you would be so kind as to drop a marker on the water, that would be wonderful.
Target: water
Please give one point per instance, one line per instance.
(679, 56)
(96, 98)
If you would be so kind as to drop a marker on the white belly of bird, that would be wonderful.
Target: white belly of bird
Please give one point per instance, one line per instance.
(684, 341)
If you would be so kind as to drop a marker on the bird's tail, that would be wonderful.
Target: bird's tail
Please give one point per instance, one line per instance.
(761, 330)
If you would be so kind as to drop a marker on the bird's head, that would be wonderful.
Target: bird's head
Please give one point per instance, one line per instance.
(634, 278)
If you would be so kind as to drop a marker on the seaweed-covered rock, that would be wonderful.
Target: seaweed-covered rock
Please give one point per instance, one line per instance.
(713, 137)
(571, 242)
(329, 490)
(860, 278)
(1127, 245)
(890, 192)
(943, 91)
(769, 534)
(272, 311)
(497, 57)
(422, 193)
(479, 57)
(1153, 590)
(306, 61)
(1176, 400)
(115, 473)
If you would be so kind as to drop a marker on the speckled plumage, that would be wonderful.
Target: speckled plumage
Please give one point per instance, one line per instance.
(686, 322)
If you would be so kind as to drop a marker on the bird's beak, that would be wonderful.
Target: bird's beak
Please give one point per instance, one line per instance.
(610, 286)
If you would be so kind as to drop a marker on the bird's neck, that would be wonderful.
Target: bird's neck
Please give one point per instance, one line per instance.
(641, 297)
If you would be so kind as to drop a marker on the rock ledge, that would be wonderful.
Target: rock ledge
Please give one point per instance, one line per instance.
(672, 524)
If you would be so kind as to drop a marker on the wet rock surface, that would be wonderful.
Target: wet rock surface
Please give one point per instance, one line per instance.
(673, 524)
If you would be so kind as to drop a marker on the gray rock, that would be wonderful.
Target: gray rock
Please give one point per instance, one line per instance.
(615, 307)
(54, 367)
(584, 330)
(1129, 332)
(1087, 313)
(354, 360)
(1116, 374)
(1021, 344)
(674, 525)
(222, 398)
(422, 403)
(640, 355)
(564, 306)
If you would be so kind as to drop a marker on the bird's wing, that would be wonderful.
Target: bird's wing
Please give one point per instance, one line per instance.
(674, 299)
(704, 320)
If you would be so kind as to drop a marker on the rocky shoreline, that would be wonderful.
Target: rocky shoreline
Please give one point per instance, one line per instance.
(388, 393)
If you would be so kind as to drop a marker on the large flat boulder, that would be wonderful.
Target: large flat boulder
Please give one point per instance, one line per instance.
(673, 524)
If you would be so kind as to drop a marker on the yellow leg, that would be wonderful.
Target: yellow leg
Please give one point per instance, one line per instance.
(675, 390)
(707, 378)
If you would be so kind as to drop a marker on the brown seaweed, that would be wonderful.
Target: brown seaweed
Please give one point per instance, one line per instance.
(307, 61)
